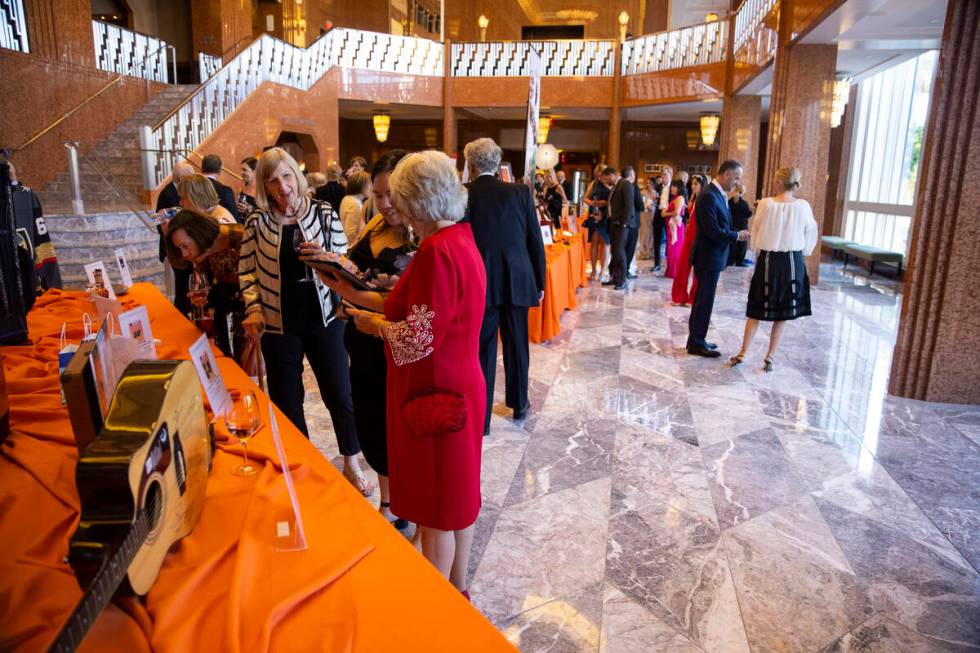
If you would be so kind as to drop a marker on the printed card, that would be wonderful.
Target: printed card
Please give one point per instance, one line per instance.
(135, 323)
(99, 280)
(127, 278)
(207, 371)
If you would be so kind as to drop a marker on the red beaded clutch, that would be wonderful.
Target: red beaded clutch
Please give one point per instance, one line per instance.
(435, 412)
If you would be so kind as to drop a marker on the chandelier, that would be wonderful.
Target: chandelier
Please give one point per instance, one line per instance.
(544, 126)
(382, 121)
(709, 128)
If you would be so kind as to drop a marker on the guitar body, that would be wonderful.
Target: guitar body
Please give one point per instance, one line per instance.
(148, 468)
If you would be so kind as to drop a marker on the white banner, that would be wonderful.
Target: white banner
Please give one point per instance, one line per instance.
(533, 109)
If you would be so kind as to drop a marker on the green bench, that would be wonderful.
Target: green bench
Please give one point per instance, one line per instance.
(835, 243)
(873, 255)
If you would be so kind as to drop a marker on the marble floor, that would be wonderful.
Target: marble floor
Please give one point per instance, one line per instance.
(656, 501)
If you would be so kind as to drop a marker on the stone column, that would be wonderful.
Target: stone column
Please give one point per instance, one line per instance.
(60, 30)
(799, 121)
(449, 137)
(739, 138)
(937, 355)
(615, 119)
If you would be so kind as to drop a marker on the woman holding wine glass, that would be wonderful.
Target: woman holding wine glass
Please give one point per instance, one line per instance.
(294, 312)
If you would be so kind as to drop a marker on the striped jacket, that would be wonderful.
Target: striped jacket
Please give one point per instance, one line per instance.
(258, 265)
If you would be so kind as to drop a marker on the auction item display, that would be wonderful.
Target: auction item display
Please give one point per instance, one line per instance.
(142, 486)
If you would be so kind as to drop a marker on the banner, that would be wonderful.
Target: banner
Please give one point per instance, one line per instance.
(533, 109)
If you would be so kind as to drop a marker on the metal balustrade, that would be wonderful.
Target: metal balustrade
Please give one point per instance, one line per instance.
(270, 60)
(207, 65)
(680, 48)
(13, 29)
(748, 17)
(510, 58)
(121, 51)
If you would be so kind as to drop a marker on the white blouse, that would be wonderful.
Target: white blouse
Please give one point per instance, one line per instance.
(783, 226)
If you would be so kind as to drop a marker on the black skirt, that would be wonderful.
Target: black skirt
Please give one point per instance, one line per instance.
(780, 288)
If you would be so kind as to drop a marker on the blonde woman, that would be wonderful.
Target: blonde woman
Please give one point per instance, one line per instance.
(783, 233)
(295, 313)
(197, 194)
(358, 188)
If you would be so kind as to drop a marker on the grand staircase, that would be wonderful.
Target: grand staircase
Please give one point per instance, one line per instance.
(111, 186)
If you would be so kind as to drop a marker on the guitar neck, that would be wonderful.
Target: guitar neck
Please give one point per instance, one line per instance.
(100, 591)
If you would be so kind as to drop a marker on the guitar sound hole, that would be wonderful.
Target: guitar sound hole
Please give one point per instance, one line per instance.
(153, 505)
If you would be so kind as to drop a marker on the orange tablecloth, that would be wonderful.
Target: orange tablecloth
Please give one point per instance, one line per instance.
(565, 274)
(359, 587)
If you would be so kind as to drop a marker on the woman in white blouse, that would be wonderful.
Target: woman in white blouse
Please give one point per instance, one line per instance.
(358, 188)
(783, 233)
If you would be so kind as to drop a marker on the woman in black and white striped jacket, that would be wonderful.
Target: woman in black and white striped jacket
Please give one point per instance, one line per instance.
(293, 310)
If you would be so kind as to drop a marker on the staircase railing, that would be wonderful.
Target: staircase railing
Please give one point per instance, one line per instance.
(755, 43)
(694, 45)
(97, 165)
(566, 58)
(207, 65)
(271, 60)
(122, 51)
(13, 26)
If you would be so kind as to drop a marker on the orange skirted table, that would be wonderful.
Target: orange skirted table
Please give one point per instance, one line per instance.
(360, 586)
(565, 274)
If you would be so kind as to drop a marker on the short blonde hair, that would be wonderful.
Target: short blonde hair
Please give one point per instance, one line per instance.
(425, 187)
(359, 183)
(788, 178)
(334, 172)
(268, 163)
(315, 179)
(199, 191)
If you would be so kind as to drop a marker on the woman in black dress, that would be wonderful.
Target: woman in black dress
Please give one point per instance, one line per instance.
(741, 212)
(381, 253)
(554, 199)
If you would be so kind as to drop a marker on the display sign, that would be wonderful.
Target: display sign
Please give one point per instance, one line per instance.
(533, 111)
(135, 323)
(127, 278)
(207, 371)
(98, 280)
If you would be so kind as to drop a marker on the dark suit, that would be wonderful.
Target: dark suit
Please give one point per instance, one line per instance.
(332, 192)
(624, 225)
(709, 257)
(168, 199)
(506, 231)
(226, 198)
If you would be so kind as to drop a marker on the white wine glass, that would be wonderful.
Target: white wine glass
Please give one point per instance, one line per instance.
(199, 287)
(242, 421)
(298, 248)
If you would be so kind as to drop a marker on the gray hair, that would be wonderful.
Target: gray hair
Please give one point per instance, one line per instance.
(483, 154)
(425, 187)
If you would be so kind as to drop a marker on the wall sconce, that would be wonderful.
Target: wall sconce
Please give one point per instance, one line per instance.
(382, 121)
(482, 23)
(693, 139)
(711, 17)
(709, 128)
(544, 126)
(624, 20)
(842, 89)
(431, 134)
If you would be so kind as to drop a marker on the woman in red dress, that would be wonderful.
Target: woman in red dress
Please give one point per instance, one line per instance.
(436, 396)
(679, 294)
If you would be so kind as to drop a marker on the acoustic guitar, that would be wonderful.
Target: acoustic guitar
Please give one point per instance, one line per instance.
(141, 484)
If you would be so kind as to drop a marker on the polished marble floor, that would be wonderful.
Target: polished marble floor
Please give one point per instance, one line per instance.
(656, 501)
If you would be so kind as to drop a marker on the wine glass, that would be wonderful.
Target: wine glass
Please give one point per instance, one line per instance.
(199, 287)
(298, 248)
(242, 421)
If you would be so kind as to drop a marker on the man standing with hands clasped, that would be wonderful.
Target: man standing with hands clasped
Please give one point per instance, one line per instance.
(710, 253)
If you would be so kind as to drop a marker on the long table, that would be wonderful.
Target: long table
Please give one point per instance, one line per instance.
(565, 274)
(360, 586)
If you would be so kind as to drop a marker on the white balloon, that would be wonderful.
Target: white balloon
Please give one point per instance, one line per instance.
(546, 156)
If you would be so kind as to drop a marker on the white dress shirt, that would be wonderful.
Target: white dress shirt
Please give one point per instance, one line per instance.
(784, 226)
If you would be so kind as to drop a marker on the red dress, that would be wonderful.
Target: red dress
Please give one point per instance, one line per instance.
(434, 344)
(679, 294)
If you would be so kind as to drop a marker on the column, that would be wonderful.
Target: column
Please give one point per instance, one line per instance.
(739, 138)
(615, 119)
(218, 26)
(799, 121)
(937, 355)
(448, 111)
(60, 30)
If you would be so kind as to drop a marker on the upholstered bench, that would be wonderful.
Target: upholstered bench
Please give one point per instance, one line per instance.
(835, 244)
(873, 255)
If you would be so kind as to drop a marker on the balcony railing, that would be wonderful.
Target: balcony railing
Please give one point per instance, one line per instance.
(510, 58)
(749, 17)
(680, 48)
(271, 60)
(13, 29)
(121, 51)
(755, 42)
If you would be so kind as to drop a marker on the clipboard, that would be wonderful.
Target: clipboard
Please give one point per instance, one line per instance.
(339, 270)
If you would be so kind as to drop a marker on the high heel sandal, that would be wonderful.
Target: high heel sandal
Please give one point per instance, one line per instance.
(399, 523)
(736, 360)
(768, 365)
(359, 482)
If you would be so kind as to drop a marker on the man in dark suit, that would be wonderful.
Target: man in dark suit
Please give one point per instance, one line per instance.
(211, 168)
(506, 231)
(169, 198)
(624, 226)
(710, 253)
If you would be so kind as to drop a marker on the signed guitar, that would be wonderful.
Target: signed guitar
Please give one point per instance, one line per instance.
(141, 483)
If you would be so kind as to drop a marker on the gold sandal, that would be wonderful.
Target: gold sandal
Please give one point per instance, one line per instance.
(736, 360)
(358, 481)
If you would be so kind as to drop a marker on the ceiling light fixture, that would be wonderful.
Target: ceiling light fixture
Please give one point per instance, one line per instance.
(709, 128)
(544, 126)
(382, 121)
(711, 17)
